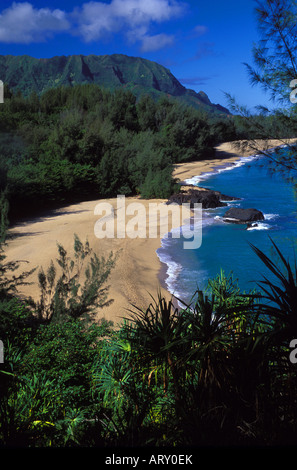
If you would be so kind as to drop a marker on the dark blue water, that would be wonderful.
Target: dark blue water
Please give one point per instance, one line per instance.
(227, 246)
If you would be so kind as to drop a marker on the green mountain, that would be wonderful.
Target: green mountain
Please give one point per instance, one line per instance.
(28, 74)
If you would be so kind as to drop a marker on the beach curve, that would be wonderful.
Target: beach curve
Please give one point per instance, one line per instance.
(139, 273)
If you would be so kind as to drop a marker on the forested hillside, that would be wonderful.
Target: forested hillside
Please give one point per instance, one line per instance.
(84, 142)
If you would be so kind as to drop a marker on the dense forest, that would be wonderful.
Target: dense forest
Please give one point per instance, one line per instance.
(85, 142)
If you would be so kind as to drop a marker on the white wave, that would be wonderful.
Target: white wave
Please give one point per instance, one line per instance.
(230, 219)
(208, 217)
(219, 218)
(172, 275)
(231, 203)
(259, 226)
(271, 216)
(173, 269)
(195, 180)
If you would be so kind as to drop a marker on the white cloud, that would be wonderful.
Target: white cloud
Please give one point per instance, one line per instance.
(200, 30)
(95, 20)
(22, 23)
(134, 17)
(149, 42)
(92, 21)
(153, 43)
(144, 11)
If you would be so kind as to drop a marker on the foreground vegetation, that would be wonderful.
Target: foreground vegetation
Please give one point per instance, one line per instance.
(216, 372)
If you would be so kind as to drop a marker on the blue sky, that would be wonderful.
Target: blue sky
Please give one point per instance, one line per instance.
(204, 42)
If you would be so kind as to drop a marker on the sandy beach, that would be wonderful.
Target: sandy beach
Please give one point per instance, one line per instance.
(226, 153)
(138, 273)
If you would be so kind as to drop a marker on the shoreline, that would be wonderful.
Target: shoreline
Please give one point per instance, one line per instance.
(227, 155)
(139, 274)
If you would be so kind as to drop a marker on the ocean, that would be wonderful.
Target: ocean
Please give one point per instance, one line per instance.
(226, 246)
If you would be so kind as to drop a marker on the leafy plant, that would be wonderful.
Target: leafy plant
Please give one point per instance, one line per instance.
(67, 297)
(279, 298)
(28, 411)
(127, 402)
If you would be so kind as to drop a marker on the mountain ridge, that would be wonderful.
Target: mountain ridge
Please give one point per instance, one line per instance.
(140, 76)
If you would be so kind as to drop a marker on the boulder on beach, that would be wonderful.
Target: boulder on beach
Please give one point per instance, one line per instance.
(243, 216)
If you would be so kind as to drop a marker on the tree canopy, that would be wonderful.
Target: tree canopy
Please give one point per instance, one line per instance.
(84, 142)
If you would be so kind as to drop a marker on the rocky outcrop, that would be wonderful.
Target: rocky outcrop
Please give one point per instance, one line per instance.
(208, 198)
(242, 216)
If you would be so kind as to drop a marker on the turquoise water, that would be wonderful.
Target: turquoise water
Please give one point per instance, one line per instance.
(226, 246)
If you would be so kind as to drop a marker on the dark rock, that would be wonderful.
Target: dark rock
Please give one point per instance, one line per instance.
(242, 216)
(208, 198)
(224, 197)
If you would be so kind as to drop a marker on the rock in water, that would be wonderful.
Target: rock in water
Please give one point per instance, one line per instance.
(208, 198)
(242, 216)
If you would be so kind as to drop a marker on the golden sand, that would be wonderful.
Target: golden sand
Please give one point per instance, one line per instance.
(137, 273)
